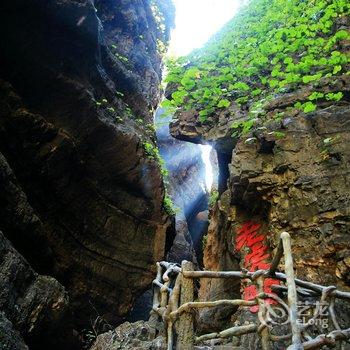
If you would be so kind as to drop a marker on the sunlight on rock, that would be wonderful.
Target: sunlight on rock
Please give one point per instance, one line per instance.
(209, 176)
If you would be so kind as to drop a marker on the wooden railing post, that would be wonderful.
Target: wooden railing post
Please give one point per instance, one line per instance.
(156, 299)
(265, 336)
(292, 293)
(185, 340)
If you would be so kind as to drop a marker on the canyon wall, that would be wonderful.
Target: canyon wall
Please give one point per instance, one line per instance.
(270, 92)
(296, 183)
(81, 198)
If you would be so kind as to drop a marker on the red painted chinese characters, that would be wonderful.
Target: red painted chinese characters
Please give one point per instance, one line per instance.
(255, 258)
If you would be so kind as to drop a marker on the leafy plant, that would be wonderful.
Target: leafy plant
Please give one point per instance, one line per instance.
(327, 141)
(316, 96)
(309, 107)
(224, 103)
(169, 205)
(244, 126)
(334, 96)
(153, 152)
(272, 46)
(214, 196)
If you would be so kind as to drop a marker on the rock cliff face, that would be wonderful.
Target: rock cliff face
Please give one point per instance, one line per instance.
(81, 200)
(34, 304)
(296, 183)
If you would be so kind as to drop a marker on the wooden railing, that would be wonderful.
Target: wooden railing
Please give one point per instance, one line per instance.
(174, 292)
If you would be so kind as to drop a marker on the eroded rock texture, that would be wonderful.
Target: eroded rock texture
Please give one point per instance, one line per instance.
(297, 183)
(31, 304)
(80, 198)
(138, 335)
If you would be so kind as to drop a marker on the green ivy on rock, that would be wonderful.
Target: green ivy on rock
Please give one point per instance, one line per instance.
(271, 46)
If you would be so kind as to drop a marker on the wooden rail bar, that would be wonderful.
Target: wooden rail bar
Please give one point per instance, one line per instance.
(312, 286)
(230, 332)
(216, 274)
(203, 304)
(302, 291)
(278, 275)
(164, 294)
(328, 339)
(161, 285)
(170, 270)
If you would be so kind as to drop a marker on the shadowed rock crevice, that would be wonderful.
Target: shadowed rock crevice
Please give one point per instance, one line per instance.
(224, 159)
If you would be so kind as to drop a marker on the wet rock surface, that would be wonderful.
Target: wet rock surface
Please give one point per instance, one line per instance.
(80, 198)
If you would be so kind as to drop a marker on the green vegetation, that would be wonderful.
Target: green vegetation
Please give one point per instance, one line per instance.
(121, 58)
(214, 196)
(334, 97)
(270, 47)
(307, 107)
(169, 205)
(153, 152)
(104, 104)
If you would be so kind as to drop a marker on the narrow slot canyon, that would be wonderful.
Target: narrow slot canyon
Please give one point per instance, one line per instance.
(192, 176)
